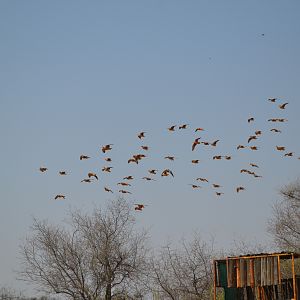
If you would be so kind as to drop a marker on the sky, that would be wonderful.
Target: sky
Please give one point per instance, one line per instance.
(77, 75)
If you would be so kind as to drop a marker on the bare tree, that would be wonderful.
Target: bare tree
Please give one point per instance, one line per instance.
(187, 272)
(285, 222)
(100, 256)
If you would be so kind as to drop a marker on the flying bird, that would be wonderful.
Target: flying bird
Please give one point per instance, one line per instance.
(146, 148)
(148, 178)
(84, 157)
(280, 148)
(289, 154)
(219, 193)
(252, 137)
(62, 173)
(205, 143)
(141, 135)
(90, 174)
(170, 157)
(195, 143)
(202, 179)
(254, 148)
(60, 197)
(152, 171)
(217, 157)
(275, 130)
(106, 148)
(108, 159)
(172, 128)
(43, 169)
(124, 192)
(199, 129)
(282, 106)
(195, 161)
(214, 144)
(282, 120)
(123, 184)
(240, 188)
(139, 207)
(167, 172)
(184, 126)
(216, 185)
(250, 119)
(253, 165)
(258, 132)
(272, 99)
(195, 186)
(87, 180)
(240, 147)
(130, 160)
(107, 169)
(108, 189)
(227, 157)
(128, 177)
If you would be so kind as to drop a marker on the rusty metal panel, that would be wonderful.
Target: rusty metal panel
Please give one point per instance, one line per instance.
(257, 272)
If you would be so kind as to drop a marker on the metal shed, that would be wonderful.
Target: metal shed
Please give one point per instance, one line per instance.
(274, 276)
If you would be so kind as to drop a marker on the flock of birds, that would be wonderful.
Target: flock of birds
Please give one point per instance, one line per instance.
(125, 184)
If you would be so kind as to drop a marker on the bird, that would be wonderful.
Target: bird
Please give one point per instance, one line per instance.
(124, 192)
(227, 157)
(282, 120)
(146, 148)
(195, 143)
(245, 171)
(282, 106)
(199, 129)
(84, 157)
(219, 193)
(106, 148)
(108, 189)
(172, 128)
(167, 172)
(240, 188)
(141, 135)
(132, 160)
(217, 157)
(214, 144)
(43, 169)
(272, 99)
(289, 154)
(275, 130)
(252, 137)
(139, 207)
(148, 178)
(280, 148)
(90, 174)
(216, 185)
(152, 171)
(138, 157)
(240, 147)
(170, 158)
(108, 159)
(107, 169)
(124, 183)
(258, 132)
(184, 126)
(62, 173)
(272, 120)
(195, 186)
(205, 143)
(254, 165)
(87, 180)
(202, 179)
(256, 176)
(195, 161)
(254, 148)
(60, 197)
(128, 177)
(250, 119)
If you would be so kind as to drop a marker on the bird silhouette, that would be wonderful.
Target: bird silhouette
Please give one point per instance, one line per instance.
(289, 154)
(146, 148)
(172, 158)
(60, 197)
(227, 157)
(199, 129)
(108, 189)
(139, 207)
(184, 126)
(217, 157)
(128, 177)
(167, 172)
(258, 132)
(148, 178)
(84, 157)
(252, 137)
(152, 171)
(280, 148)
(43, 169)
(240, 147)
(106, 148)
(124, 192)
(275, 130)
(250, 119)
(282, 106)
(86, 180)
(132, 160)
(107, 169)
(205, 143)
(62, 173)
(202, 179)
(124, 183)
(272, 99)
(219, 193)
(195, 186)
(282, 120)
(172, 128)
(141, 135)
(195, 161)
(240, 188)
(214, 144)
(254, 148)
(254, 165)
(108, 159)
(90, 174)
(195, 143)
(216, 185)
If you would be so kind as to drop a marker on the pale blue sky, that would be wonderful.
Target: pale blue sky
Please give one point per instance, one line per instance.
(76, 75)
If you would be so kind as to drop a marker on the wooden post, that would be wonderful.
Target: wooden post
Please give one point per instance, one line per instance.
(215, 277)
(294, 277)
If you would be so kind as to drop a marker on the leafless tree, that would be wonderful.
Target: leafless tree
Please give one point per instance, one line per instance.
(100, 256)
(285, 222)
(184, 273)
